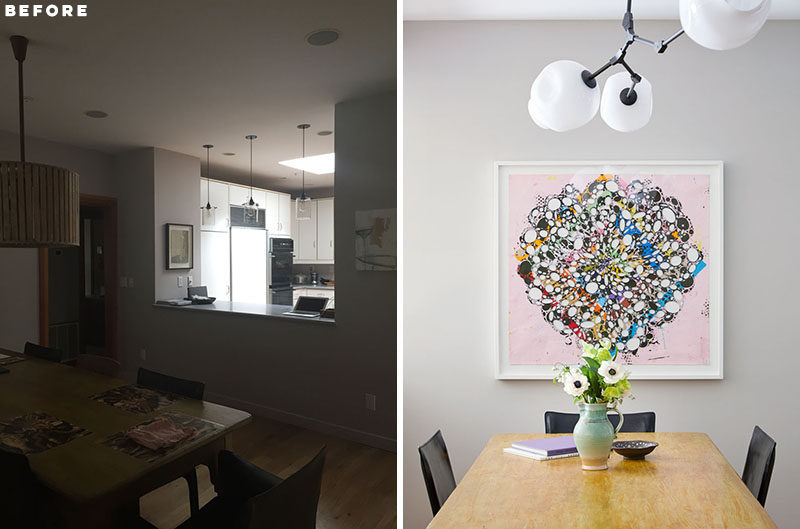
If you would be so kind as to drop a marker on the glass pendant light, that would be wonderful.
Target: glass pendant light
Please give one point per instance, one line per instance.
(251, 206)
(303, 202)
(560, 99)
(627, 104)
(723, 24)
(209, 211)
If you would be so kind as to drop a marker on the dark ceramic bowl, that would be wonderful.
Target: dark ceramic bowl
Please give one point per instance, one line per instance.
(633, 449)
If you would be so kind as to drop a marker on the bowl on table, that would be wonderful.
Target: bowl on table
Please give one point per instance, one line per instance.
(634, 449)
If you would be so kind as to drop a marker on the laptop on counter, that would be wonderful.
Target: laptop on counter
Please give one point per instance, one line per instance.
(308, 307)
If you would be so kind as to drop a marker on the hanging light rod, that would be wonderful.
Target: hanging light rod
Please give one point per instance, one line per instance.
(560, 102)
(628, 97)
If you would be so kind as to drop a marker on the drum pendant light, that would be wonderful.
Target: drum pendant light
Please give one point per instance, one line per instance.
(39, 204)
(251, 206)
(209, 211)
(302, 203)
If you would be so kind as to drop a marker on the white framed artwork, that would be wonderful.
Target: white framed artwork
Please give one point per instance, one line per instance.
(629, 252)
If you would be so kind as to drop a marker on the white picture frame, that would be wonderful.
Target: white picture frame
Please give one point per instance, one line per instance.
(504, 369)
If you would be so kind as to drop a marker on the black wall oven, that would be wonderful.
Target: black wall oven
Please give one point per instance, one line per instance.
(281, 258)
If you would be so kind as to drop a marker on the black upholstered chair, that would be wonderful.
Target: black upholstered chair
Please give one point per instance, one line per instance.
(437, 471)
(249, 497)
(758, 465)
(50, 354)
(556, 422)
(20, 494)
(179, 386)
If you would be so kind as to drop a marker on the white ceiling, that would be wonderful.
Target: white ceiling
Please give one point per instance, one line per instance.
(559, 9)
(182, 73)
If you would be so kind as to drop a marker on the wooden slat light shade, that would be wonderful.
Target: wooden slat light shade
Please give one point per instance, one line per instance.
(39, 206)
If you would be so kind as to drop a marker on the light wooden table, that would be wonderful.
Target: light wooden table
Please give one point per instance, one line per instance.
(684, 483)
(94, 485)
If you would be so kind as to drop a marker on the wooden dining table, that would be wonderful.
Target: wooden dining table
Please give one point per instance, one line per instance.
(685, 483)
(92, 484)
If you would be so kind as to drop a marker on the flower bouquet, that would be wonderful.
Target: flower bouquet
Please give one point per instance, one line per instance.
(599, 384)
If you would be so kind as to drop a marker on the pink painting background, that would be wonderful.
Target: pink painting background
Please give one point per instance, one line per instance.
(684, 341)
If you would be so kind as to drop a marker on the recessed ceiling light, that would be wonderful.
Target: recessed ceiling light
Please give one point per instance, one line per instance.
(322, 37)
(97, 114)
(324, 133)
(228, 154)
(320, 164)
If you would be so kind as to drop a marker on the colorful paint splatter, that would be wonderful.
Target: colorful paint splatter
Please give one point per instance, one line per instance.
(613, 260)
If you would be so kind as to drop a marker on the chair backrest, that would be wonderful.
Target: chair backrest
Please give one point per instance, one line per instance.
(758, 466)
(556, 422)
(437, 471)
(103, 365)
(45, 353)
(179, 386)
(293, 502)
(18, 491)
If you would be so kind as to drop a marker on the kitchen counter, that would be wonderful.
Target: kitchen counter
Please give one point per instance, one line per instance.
(247, 309)
(317, 287)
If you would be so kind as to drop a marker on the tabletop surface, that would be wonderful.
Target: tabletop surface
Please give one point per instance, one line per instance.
(84, 469)
(684, 483)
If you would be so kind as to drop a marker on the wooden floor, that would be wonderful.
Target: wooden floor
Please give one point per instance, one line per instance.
(359, 485)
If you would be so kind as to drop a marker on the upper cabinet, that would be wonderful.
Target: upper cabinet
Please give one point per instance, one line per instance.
(325, 229)
(218, 219)
(279, 214)
(241, 194)
(313, 238)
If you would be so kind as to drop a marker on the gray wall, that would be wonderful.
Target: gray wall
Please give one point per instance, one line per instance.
(302, 372)
(19, 267)
(466, 91)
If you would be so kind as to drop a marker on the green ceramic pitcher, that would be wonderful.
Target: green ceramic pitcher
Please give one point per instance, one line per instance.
(594, 434)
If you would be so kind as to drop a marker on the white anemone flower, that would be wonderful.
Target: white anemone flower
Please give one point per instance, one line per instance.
(575, 383)
(611, 372)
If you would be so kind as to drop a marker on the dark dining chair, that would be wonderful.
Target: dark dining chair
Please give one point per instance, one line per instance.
(556, 422)
(437, 471)
(20, 494)
(102, 365)
(179, 386)
(758, 465)
(50, 354)
(170, 384)
(251, 498)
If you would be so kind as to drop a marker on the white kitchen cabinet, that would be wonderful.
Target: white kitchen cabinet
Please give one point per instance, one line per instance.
(315, 293)
(285, 213)
(278, 212)
(313, 238)
(215, 271)
(305, 236)
(325, 229)
(218, 219)
(241, 194)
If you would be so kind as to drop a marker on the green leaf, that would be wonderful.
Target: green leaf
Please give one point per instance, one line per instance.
(592, 363)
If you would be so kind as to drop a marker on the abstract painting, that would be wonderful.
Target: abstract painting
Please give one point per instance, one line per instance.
(180, 246)
(628, 253)
(376, 240)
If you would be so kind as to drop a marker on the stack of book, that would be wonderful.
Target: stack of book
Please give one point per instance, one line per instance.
(543, 449)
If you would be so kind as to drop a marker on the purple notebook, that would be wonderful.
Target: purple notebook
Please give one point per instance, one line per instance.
(550, 446)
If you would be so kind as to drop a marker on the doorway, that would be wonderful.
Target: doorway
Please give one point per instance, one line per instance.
(78, 285)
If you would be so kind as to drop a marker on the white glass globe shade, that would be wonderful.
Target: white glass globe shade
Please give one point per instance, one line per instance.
(723, 24)
(535, 115)
(561, 99)
(618, 115)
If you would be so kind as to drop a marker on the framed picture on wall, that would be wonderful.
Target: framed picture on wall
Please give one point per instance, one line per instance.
(629, 252)
(180, 246)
